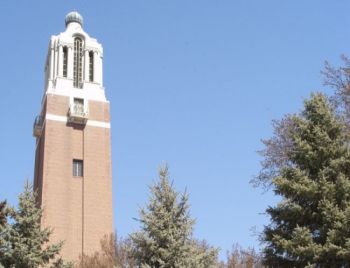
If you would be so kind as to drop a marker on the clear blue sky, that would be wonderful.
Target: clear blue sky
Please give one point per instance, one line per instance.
(191, 83)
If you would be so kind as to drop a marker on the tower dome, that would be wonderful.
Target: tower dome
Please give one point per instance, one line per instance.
(74, 17)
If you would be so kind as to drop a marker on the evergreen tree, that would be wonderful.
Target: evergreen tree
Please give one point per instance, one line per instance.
(4, 227)
(165, 240)
(25, 244)
(310, 227)
(278, 147)
(3, 213)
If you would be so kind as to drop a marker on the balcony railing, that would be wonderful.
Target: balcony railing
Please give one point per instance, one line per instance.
(78, 114)
(38, 126)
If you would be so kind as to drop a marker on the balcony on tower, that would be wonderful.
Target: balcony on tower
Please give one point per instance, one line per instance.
(78, 112)
(38, 126)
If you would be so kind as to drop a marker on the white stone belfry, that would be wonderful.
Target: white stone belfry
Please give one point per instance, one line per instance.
(56, 82)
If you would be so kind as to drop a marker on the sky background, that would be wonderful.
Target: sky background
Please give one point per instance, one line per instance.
(195, 84)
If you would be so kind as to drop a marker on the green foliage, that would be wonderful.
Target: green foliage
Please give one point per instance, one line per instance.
(3, 213)
(165, 239)
(24, 244)
(4, 227)
(202, 255)
(310, 226)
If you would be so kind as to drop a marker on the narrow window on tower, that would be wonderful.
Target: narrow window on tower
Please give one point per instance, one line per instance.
(78, 66)
(65, 61)
(78, 168)
(79, 106)
(91, 66)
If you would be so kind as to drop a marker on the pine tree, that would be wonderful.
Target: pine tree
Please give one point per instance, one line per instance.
(25, 244)
(310, 227)
(165, 239)
(4, 227)
(3, 213)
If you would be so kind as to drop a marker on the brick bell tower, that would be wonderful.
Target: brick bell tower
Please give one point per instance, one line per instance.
(73, 155)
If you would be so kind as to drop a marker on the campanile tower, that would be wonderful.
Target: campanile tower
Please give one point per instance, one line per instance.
(73, 155)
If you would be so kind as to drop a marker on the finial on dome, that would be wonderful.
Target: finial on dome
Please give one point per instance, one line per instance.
(74, 17)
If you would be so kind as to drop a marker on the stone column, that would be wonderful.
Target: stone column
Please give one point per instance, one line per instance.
(70, 62)
(60, 61)
(96, 67)
(52, 52)
(56, 60)
(86, 65)
(100, 76)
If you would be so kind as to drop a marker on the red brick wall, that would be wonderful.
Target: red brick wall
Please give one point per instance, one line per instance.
(78, 209)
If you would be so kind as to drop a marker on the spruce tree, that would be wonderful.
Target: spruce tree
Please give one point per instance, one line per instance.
(310, 227)
(3, 213)
(25, 244)
(4, 227)
(165, 239)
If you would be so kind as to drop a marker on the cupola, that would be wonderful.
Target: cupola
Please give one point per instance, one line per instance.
(74, 17)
